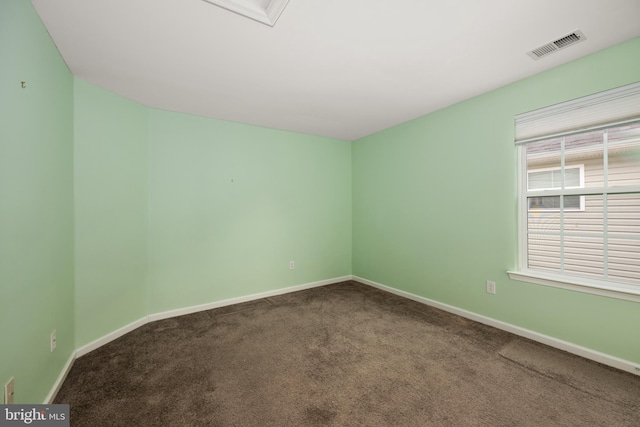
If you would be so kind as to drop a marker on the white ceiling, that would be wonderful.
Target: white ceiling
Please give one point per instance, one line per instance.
(337, 68)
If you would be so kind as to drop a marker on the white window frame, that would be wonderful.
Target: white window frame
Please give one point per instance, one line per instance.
(560, 280)
(599, 111)
(581, 185)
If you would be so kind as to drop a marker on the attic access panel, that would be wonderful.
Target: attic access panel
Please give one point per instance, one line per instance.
(265, 11)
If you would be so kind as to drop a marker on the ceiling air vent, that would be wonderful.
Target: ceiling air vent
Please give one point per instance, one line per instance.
(556, 45)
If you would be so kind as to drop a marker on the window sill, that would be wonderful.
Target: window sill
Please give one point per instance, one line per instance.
(577, 284)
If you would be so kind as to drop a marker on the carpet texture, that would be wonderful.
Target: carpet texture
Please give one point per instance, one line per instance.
(340, 355)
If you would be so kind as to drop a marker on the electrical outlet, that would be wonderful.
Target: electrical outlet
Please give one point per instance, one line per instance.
(53, 340)
(292, 265)
(8, 392)
(491, 287)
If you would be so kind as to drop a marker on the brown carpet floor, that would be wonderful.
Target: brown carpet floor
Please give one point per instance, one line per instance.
(340, 355)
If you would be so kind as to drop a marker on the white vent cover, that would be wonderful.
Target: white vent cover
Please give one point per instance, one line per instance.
(556, 45)
(265, 11)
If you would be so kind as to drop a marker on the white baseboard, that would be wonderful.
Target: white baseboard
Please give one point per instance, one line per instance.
(61, 377)
(587, 353)
(196, 308)
(174, 313)
(238, 300)
(111, 336)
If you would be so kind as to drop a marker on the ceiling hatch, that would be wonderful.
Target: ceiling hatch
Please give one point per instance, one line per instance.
(556, 45)
(265, 11)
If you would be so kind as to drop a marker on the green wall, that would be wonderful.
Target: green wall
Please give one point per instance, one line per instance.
(110, 176)
(126, 172)
(435, 208)
(36, 204)
(173, 210)
(230, 205)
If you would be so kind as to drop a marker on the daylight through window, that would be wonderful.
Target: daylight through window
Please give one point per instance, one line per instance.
(580, 204)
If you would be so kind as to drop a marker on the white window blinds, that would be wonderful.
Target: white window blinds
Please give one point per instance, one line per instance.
(603, 108)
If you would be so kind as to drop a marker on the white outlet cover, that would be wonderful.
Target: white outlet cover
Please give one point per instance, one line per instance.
(53, 340)
(9, 392)
(491, 287)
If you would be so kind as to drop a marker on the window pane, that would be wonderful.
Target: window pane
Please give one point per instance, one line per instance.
(539, 221)
(548, 179)
(624, 260)
(553, 202)
(582, 144)
(593, 172)
(589, 220)
(580, 230)
(541, 180)
(624, 155)
(624, 134)
(584, 256)
(623, 223)
(571, 177)
(543, 252)
(623, 214)
(543, 154)
(585, 149)
(572, 202)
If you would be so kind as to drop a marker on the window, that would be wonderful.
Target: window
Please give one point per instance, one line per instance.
(580, 194)
(551, 179)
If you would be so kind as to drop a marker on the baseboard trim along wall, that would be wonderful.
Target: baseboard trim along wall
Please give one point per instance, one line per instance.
(196, 308)
(238, 300)
(87, 348)
(111, 336)
(587, 353)
(63, 375)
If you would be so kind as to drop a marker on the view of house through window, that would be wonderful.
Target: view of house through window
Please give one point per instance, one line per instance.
(551, 179)
(583, 204)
